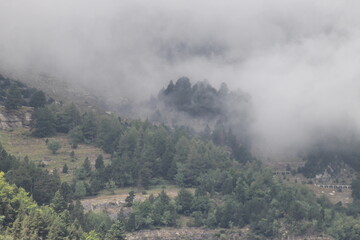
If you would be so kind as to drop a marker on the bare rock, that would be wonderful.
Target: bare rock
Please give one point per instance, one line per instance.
(10, 119)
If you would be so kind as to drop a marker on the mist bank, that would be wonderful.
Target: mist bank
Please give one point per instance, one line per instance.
(298, 60)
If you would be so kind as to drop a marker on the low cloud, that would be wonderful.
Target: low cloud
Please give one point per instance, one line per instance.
(297, 59)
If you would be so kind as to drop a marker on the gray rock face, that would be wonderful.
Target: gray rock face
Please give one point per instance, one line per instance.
(112, 208)
(15, 118)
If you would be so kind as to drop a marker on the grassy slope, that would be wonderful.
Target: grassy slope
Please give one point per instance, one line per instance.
(18, 143)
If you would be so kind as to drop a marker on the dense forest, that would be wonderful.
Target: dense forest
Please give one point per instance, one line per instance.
(233, 189)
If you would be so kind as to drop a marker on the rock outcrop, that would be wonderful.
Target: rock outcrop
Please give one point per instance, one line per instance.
(15, 118)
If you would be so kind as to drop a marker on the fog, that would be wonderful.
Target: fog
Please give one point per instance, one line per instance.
(297, 59)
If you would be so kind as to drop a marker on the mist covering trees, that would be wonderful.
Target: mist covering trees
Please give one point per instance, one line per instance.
(232, 189)
(230, 113)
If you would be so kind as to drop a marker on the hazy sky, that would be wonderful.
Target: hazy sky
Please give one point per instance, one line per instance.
(299, 59)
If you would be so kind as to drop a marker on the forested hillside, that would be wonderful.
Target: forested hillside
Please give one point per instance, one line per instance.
(232, 190)
(14, 94)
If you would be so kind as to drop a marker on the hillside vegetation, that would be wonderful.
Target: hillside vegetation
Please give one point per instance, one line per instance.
(19, 143)
(216, 185)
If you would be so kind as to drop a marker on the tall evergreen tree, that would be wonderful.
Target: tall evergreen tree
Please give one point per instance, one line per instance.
(99, 163)
(184, 201)
(87, 167)
(38, 100)
(14, 98)
(43, 123)
(130, 199)
(116, 232)
(58, 203)
(89, 127)
(68, 118)
(65, 168)
(58, 229)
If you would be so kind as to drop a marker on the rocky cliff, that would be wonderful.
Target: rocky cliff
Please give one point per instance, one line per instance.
(15, 118)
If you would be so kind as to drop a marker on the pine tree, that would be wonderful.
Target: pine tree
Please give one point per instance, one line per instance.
(92, 235)
(68, 119)
(131, 223)
(43, 123)
(99, 163)
(130, 199)
(87, 167)
(58, 229)
(116, 232)
(38, 100)
(89, 127)
(183, 201)
(80, 189)
(14, 98)
(77, 212)
(65, 168)
(66, 191)
(58, 202)
(75, 231)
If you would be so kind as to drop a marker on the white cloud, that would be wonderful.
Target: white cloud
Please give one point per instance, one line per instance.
(298, 59)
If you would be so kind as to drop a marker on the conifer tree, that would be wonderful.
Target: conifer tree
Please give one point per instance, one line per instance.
(87, 167)
(68, 118)
(99, 163)
(58, 229)
(89, 127)
(14, 98)
(116, 232)
(43, 123)
(58, 203)
(38, 100)
(65, 168)
(130, 199)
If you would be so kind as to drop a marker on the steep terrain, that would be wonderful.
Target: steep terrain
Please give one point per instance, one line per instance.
(18, 143)
(10, 119)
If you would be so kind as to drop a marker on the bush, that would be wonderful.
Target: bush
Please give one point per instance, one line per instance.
(54, 146)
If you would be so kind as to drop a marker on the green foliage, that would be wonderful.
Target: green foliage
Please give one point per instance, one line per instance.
(330, 151)
(160, 211)
(229, 194)
(66, 191)
(7, 161)
(43, 123)
(184, 201)
(87, 167)
(53, 146)
(76, 136)
(58, 203)
(38, 100)
(202, 101)
(14, 98)
(98, 221)
(109, 131)
(116, 232)
(80, 189)
(355, 187)
(38, 182)
(98, 180)
(89, 127)
(65, 168)
(77, 212)
(130, 199)
(67, 118)
(99, 162)
(345, 228)
(92, 235)
(12, 201)
(58, 229)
